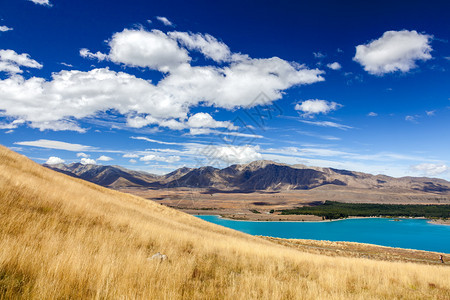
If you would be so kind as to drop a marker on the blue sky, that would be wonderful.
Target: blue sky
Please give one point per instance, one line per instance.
(157, 85)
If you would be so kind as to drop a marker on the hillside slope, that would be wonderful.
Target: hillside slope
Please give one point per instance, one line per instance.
(61, 237)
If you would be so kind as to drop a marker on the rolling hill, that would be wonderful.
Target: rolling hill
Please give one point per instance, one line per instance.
(61, 238)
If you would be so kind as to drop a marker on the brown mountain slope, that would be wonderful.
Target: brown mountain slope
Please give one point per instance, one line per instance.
(255, 176)
(63, 238)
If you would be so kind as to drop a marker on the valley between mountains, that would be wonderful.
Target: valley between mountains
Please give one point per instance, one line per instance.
(261, 189)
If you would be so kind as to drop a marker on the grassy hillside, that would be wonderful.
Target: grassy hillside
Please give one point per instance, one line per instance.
(65, 238)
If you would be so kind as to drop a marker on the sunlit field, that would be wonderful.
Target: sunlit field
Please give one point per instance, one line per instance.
(65, 238)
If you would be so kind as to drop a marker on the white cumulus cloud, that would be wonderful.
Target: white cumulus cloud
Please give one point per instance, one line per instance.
(430, 169)
(104, 158)
(71, 95)
(88, 161)
(334, 66)
(10, 62)
(81, 154)
(394, 51)
(204, 120)
(235, 154)
(205, 43)
(88, 54)
(13, 125)
(53, 160)
(152, 49)
(316, 106)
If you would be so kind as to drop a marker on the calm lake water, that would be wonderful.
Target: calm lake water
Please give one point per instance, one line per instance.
(406, 233)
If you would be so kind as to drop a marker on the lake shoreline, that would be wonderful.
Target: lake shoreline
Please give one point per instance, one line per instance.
(362, 250)
(301, 219)
(407, 233)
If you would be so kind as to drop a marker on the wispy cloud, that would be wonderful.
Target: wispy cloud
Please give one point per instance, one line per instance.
(324, 137)
(51, 144)
(66, 64)
(142, 138)
(165, 21)
(412, 119)
(430, 169)
(327, 124)
(4, 28)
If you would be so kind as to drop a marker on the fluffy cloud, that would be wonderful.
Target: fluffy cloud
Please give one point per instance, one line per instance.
(235, 154)
(152, 49)
(315, 106)
(204, 120)
(205, 43)
(53, 160)
(334, 66)
(153, 157)
(42, 2)
(140, 48)
(13, 125)
(71, 95)
(198, 120)
(394, 51)
(372, 114)
(11, 62)
(50, 144)
(165, 21)
(88, 161)
(88, 54)
(431, 169)
(4, 28)
(104, 158)
(81, 154)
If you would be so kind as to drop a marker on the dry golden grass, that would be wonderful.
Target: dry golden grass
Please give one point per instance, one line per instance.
(65, 238)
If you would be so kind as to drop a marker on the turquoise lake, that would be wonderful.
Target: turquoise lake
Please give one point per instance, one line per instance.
(406, 233)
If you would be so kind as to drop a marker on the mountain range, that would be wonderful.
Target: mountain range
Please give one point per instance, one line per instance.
(255, 176)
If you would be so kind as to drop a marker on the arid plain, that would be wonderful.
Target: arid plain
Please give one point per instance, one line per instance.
(258, 205)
